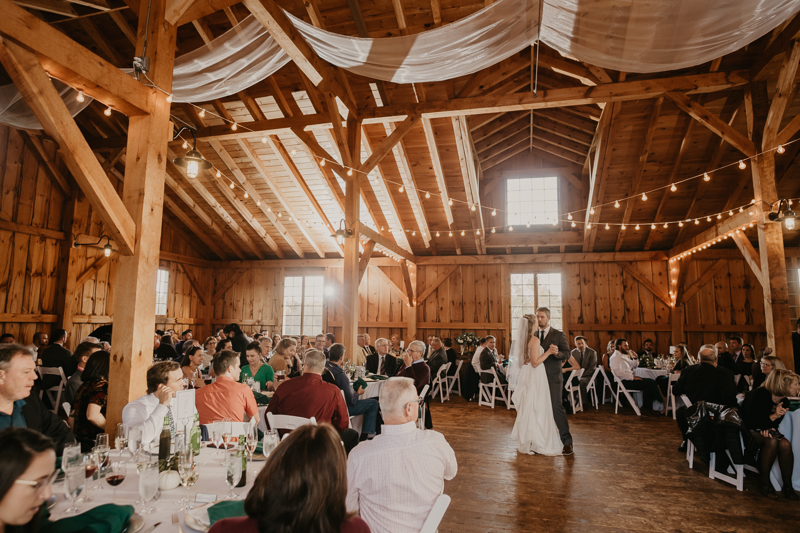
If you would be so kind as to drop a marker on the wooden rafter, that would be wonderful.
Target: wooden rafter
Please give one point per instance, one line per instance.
(369, 247)
(750, 254)
(371, 234)
(707, 276)
(780, 100)
(721, 229)
(469, 174)
(444, 195)
(388, 143)
(649, 285)
(598, 167)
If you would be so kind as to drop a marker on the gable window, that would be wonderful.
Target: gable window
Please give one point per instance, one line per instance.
(162, 289)
(530, 291)
(302, 305)
(532, 201)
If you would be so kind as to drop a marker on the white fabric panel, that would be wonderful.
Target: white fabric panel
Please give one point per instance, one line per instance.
(15, 112)
(658, 35)
(463, 47)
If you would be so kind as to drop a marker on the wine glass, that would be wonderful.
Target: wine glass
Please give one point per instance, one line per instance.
(270, 441)
(71, 456)
(251, 443)
(233, 472)
(216, 436)
(74, 482)
(89, 464)
(115, 474)
(185, 471)
(120, 438)
(148, 485)
(101, 453)
(135, 441)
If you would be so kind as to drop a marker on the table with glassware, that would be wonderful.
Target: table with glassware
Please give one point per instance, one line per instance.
(649, 373)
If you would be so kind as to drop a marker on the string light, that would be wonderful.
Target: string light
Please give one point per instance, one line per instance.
(494, 230)
(414, 233)
(185, 145)
(637, 227)
(708, 219)
(616, 204)
(573, 224)
(232, 185)
(349, 171)
(511, 228)
(719, 216)
(730, 213)
(80, 97)
(402, 188)
(607, 226)
(219, 174)
(589, 225)
(462, 233)
(477, 232)
(644, 196)
(246, 196)
(781, 149)
(169, 98)
(652, 226)
(263, 140)
(427, 195)
(622, 227)
(258, 202)
(494, 212)
(107, 112)
(665, 225)
(293, 152)
(451, 234)
(591, 211)
(280, 214)
(673, 188)
(473, 207)
(742, 164)
(569, 216)
(450, 202)
(437, 233)
(680, 224)
(322, 164)
(234, 126)
(696, 221)
(706, 177)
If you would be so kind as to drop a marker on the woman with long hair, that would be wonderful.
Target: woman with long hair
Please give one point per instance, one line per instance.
(767, 364)
(209, 349)
(88, 415)
(27, 472)
(256, 368)
(286, 358)
(301, 489)
(190, 366)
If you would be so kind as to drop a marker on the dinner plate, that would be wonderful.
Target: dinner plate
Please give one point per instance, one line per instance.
(191, 519)
(135, 523)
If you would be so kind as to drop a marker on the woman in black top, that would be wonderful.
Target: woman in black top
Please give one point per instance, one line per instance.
(767, 364)
(762, 411)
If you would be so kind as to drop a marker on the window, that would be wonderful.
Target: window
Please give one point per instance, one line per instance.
(302, 305)
(530, 291)
(162, 289)
(532, 201)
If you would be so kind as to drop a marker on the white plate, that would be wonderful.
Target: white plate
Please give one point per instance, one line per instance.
(136, 523)
(195, 524)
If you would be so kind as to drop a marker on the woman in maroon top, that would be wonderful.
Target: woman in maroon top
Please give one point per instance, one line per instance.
(301, 489)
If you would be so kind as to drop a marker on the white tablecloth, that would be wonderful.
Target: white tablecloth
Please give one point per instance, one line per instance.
(649, 373)
(790, 428)
(211, 481)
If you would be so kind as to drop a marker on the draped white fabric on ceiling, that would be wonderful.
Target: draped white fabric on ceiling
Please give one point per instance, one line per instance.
(626, 35)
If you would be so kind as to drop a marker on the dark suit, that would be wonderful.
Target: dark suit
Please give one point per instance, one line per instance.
(704, 382)
(725, 360)
(588, 362)
(555, 376)
(452, 358)
(56, 355)
(390, 364)
(436, 361)
(38, 417)
(420, 372)
(488, 361)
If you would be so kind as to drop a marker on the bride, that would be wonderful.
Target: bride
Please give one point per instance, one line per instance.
(535, 428)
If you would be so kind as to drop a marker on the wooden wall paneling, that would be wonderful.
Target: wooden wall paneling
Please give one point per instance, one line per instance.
(587, 298)
(616, 293)
(738, 292)
(722, 296)
(708, 305)
(456, 294)
(647, 301)
(661, 280)
(601, 294)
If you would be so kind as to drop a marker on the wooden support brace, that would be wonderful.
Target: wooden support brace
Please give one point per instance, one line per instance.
(435, 285)
(386, 243)
(386, 146)
(750, 254)
(392, 285)
(92, 270)
(198, 289)
(410, 283)
(658, 293)
(230, 281)
(705, 278)
(369, 247)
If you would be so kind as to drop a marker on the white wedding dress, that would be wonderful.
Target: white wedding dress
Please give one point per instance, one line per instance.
(535, 429)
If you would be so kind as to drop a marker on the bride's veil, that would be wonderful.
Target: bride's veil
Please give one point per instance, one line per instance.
(516, 357)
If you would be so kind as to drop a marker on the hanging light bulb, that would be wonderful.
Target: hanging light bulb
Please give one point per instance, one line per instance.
(219, 174)
(511, 228)
(185, 145)
(234, 126)
(280, 215)
(349, 171)
(269, 209)
(494, 212)
(730, 213)
(322, 162)
(477, 232)
(708, 219)
(622, 227)
(591, 211)
(781, 149)
(232, 185)
(607, 226)
(169, 98)
(414, 233)
(673, 188)
(652, 226)
(107, 112)
(741, 209)
(494, 230)
(427, 195)
(637, 227)
(451, 234)
(80, 97)
(402, 188)
(696, 221)
(107, 250)
(680, 224)
(742, 164)
(665, 225)
(616, 204)
(437, 233)
(293, 152)
(246, 196)
(573, 224)
(644, 196)
(263, 140)
(719, 216)
(706, 177)
(473, 208)
(202, 113)
(450, 201)
(258, 202)
(462, 233)
(569, 216)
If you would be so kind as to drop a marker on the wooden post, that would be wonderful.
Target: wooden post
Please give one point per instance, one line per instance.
(676, 320)
(143, 195)
(75, 216)
(352, 205)
(411, 334)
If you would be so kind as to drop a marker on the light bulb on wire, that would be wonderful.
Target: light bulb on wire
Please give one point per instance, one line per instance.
(494, 212)
(80, 97)
(473, 208)
(644, 196)
(742, 164)
(263, 140)
(219, 174)
(169, 98)
(427, 195)
(107, 112)
(202, 113)
(402, 188)
(616, 204)
(450, 201)
(232, 185)
(781, 149)
(637, 227)
(673, 188)
(706, 177)
(234, 126)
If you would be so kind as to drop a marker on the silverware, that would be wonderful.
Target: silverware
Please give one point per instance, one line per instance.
(151, 528)
(176, 522)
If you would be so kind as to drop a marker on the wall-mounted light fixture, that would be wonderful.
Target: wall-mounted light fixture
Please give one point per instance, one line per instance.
(192, 160)
(107, 249)
(342, 233)
(785, 214)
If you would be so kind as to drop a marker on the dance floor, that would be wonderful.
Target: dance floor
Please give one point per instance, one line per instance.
(626, 475)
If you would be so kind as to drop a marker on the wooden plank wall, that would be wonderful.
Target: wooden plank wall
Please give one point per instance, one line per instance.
(255, 301)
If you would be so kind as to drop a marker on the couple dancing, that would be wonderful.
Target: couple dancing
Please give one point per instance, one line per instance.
(536, 381)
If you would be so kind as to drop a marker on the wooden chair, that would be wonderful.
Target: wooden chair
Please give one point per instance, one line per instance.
(487, 392)
(622, 390)
(439, 385)
(574, 390)
(67, 408)
(53, 393)
(437, 513)
(455, 378)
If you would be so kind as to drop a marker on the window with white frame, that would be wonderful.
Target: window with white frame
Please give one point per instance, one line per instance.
(302, 305)
(162, 289)
(532, 290)
(532, 201)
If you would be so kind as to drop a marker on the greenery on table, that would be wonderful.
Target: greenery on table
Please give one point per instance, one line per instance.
(468, 339)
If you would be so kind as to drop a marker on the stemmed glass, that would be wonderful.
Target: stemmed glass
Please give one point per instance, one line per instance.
(72, 456)
(216, 437)
(148, 485)
(135, 441)
(74, 482)
(185, 471)
(120, 439)
(270, 441)
(102, 449)
(251, 443)
(233, 472)
(89, 463)
(115, 475)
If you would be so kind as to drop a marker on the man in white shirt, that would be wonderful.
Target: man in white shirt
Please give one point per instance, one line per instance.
(164, 379)
(622, 366)
(476, 358)
(40, 339)
(394, 479)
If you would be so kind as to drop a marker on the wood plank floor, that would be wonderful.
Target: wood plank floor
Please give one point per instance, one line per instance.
(626, 475)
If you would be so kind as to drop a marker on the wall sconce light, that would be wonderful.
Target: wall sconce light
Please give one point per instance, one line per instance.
(192, 160)
(788, 216)
(107, 249)
(342, 233)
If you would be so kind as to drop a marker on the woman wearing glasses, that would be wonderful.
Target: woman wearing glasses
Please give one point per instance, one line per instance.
(27, 471)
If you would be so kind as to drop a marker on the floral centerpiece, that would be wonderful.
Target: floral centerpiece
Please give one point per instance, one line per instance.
(467, 340)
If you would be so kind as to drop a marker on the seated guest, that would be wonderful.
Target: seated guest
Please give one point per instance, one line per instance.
(394, 492)
(209, 349)
(266, 347)
(302, 487)
(415, 367)
(256, 368)
(224, 344)
(622, 367)
(330, 338)
(395, 349)
(762, 411)
(7, 338)
(437, 356)
(735, 344)
(27, 472)
(88, 415)
(610, 349)
(226, 398)
(286, 359)
(56, 355)
(276, 339)
(309, 396)
(767, 365)
(360, 356)
(186, 335)
(20, 405)
(40, 339)
(744, 366)
(452, 356)
(190, 366)
(682, 361)
(476, 357)
(82, 353)
(319, 342)
(587, 359)
(355, 405)
(704, 382)
(164, 379)
(381, 362)
(186, 345)
(647, 355)
(488, 360)
(368, 344)
(239, 341)
(166, 350)
(796, 344)
(725, 359)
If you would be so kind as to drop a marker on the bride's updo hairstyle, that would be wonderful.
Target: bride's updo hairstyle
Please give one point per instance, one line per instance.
(533, 325)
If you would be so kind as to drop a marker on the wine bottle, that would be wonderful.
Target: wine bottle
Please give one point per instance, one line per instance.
(164, 442)
(243, 454)
(195, 434)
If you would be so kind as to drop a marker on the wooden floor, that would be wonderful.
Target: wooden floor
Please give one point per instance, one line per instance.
(626, 475)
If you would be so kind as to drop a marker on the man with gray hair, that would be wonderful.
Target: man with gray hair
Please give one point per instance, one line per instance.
(382, 362)
(394, 492)
(705, 382)
(416, 368)
(309, 396)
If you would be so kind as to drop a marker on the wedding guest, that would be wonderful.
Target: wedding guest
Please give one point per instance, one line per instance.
(368, 344)
(224, 344)
(267, 349)
(587, 359)
(396, 350)
(164, 379)
(309, 396)
(226, 398)
(319, 342)
(190, 366)
(330, 338)
(415, 367)
(476, 357)
(767, 365)
(82, 354)
(276, 339)
(209, 349)
(796, 344)
(239, 341)
(355, 405)
(27, 472)
(186, 335)
(382, 362)
(622, 367)
(88, 415)
(56, 355)
(257, 369)
(735, 343)
(394, 492)
(647, 355)
(7, 338)
(682, 361)
(763, 410)
(304, 345)
(744, 366)
(488, 360)
(20, 405)
(452, 356)
(610, 349)
(360, 355)
(301, 488)
(286, 358)
(437, 357)
(40, 339)
(724, 358)
(166, 349)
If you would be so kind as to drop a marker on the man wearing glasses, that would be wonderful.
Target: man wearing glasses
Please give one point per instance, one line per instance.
(420, 372)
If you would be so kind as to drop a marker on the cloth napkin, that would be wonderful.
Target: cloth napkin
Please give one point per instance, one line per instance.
(107, 518)
(359, 383)
(377, 376)
(221, 510)
(261, 399)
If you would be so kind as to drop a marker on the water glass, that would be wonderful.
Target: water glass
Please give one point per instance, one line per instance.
(270, 441)
(186, 470)
(102, 453)
(233, 472)
(74, 483)
(148, 485)
(120, 438)
(72, 456)
(135, 441)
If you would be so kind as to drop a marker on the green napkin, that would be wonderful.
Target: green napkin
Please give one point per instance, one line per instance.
(221, 510)
(106, 518)
(260, 398)
(377, 376)
(359, 383)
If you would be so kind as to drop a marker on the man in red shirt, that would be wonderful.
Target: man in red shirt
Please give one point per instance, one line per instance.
(308, 396)
(226, 397)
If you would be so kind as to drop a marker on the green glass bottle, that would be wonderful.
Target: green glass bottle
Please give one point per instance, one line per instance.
(243, 454)
(164, 442)
(194, 435)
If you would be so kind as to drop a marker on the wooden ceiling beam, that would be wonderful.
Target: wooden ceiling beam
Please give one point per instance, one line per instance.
(469, 174)
(389, 143)
(780, 100)
(497, 124)
(597, 172)
(193, 227)
(521, 239)
(510, 152)
(371, 234)
(719, 230)
(783, 42)
(441, 182)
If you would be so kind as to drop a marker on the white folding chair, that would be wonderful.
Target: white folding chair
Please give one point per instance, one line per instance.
(288, 421)
(574, 390)
(591, 388)
(622, 390)
(440, 383)
(421, 419)
(487, 392)
(455, 378)
(671, 400)
(735, 474)
(607, 386)
(67, 408)
(437, 513)
(53, 393)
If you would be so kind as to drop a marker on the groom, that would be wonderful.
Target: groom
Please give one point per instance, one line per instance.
(554, 343)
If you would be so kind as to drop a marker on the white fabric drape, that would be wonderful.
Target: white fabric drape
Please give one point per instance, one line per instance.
(15, 112)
